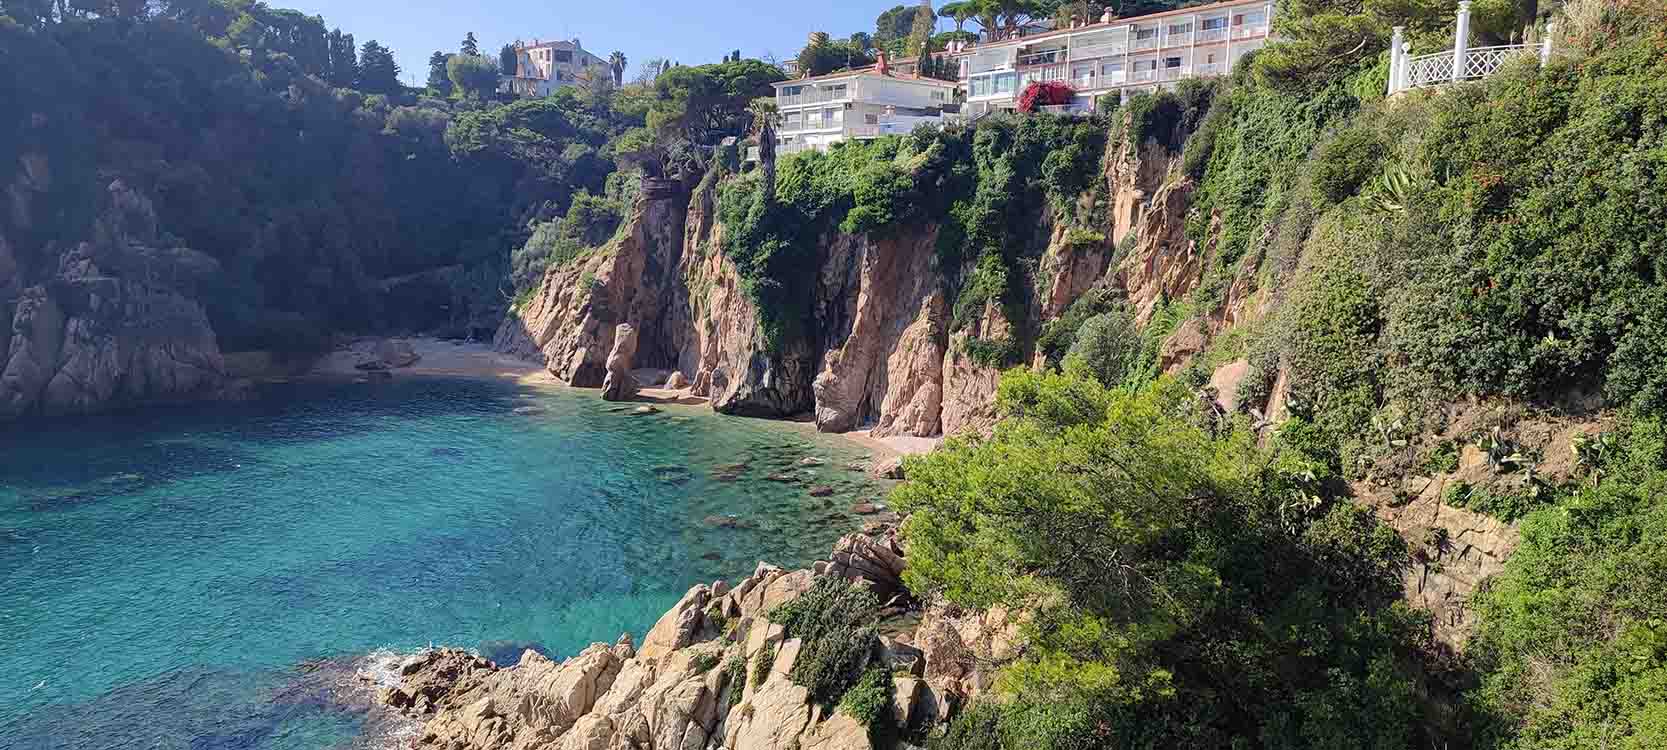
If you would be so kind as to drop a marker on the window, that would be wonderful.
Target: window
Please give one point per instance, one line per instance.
(1177, 29)
(1145, 34)
(836, 92)
(793, 121)
(871, 119)
(792, 90)
(1172, 62)
(563, 55)
(1214, 24)
(1007, 83)
(937, 96)
(1144, 65)
(1115, 66)
(1253, 18)
(1210, 58)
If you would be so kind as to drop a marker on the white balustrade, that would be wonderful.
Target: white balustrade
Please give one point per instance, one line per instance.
(1460, 63)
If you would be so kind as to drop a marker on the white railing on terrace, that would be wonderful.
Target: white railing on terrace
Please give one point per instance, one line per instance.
(1209, 69)
(1460, 63)
(1142, 76)
(1212, 35)
(1044, 74)
(1042, 58)
(1147, 43)
(1177, 40)
(785, 149)
(1246, 32)
(813, 97)
(1067, 109)
(1099, 50)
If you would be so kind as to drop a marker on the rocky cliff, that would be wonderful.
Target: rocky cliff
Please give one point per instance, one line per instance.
(713, 672)
(104, 322)
(883, 353)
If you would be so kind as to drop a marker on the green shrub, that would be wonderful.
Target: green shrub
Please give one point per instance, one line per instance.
(1060, 333)
(704, 662)
(762, 663)
(1106, 346)
(835, 622)
(869, 701)
(1443, 458)
(997, 353)
(1344, 163)
(735, 677)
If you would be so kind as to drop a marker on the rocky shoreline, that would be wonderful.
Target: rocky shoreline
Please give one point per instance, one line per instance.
(713, 672)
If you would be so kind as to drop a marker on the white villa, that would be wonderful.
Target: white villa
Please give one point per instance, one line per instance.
(543, 67)
(1116, 56)
(864, 103)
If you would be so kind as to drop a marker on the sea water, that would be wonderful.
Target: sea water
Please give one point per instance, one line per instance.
(203, 577)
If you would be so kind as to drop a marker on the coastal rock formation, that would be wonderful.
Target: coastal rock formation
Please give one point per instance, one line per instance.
(620, 384)
(693, 683)
(110, 323)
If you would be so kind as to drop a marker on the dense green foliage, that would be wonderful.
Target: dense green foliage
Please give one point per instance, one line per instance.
(835, 622)
(1186, 587)
(1573, 639)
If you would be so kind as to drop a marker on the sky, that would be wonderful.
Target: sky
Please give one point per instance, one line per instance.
(691, 32)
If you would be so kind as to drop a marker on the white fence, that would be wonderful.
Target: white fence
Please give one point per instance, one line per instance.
(1461, 63)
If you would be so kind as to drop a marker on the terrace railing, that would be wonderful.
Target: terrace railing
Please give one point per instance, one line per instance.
(1461, 63)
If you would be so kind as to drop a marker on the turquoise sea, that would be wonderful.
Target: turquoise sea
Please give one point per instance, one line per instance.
(215, 576)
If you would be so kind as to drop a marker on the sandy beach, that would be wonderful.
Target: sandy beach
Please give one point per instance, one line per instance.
(472, 359)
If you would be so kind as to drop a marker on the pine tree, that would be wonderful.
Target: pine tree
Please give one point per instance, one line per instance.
(920, 37)
(508, 61)
(438, 78)
(378, 73)
(344, 60)
(470, 46)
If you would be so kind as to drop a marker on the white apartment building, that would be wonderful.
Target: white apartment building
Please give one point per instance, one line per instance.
(1116, 56)
(543, 67)
(859, 104)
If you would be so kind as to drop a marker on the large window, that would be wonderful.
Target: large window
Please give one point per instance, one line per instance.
(563, 55)
(1007, 83)
(1178, 29)
(1151, 33)
(1172, 62)
(836, 91)
(1213, 24)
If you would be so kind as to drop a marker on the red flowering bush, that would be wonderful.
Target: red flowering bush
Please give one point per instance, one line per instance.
(1045, 93)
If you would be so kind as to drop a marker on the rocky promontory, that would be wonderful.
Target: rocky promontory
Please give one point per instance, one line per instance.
(716, 672)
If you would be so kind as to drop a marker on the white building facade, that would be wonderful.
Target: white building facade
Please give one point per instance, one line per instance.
(815, 113)
(543, 67)
(1115, 57)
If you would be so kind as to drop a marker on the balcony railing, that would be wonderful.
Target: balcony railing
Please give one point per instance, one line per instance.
(1206, 36)
(1247, 32)
(818, 96)
(786, 149)
(1099, 50)
(1076, 110)
(1210, 69)
(1042, 58)
(1177, 40)
(1144, 76)
(1144, 44)
(1173, 74)
(1043, 74)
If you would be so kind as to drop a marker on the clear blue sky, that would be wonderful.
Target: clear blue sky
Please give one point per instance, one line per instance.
(688, 31)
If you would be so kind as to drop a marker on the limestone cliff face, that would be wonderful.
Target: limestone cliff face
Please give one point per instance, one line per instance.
(106, 322)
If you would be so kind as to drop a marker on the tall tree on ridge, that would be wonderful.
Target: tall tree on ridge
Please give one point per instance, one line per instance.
(378, 73)
(508, 60)
(344, 60)
(616, 61)
(920, 35)
(470, 46)
(438, 79)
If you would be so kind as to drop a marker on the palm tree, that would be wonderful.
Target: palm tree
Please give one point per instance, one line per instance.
(617, 62)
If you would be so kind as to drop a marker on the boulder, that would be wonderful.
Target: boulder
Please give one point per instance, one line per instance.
(876, 560)
(676, 381)
(396, 353)
(678, 627)
(888, 468)
(619, 384)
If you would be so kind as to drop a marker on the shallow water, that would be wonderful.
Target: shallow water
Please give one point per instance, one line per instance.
(170, 577)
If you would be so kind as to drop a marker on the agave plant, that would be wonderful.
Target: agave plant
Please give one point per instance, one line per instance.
(1394, 188)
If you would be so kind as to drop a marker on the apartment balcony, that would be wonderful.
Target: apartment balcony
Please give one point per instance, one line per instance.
(1209, 36)
(1143, 76)
(1042, 74)
(1140, 45)
(813, 97)
(1099, 50)
(1250, 32)
(1174, 74)
(1041, 58)
(1177, 40)
(1210, 69)
(788, 149)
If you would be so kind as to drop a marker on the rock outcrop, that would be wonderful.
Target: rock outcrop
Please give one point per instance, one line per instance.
(697, 681)
(109, 323)
(620, 384)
